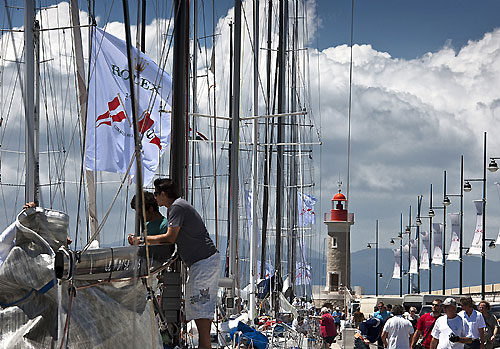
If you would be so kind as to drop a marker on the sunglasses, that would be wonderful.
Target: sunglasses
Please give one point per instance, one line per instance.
(156, 193)
(436, 304)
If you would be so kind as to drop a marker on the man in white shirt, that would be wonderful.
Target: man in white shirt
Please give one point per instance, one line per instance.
(397, 330)
(475, 321)
(450, 331)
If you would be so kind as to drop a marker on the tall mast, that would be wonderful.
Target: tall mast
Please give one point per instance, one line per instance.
(267, 157)
(31, 108)
(235, 135)
(194, 97)
(255, 136)
(292, 209)
(280, 158)
(83, 98)
(180, 96)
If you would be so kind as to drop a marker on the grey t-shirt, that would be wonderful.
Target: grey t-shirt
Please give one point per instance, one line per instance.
(193, 241)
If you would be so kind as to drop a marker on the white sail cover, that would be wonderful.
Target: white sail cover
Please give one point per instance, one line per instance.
(396, 273)
(424, 254)
(103, 316)
(437, 255)
(476, 245)
(413, 257)
(110, 141)
(454, 251)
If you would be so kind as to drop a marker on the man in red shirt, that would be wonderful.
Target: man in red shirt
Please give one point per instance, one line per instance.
(425, 325)
(327, 326)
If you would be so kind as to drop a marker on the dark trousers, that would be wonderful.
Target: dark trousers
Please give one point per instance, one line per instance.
(474, 345)
(360, 344)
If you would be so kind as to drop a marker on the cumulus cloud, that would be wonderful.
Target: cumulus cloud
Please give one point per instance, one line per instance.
(411, 119)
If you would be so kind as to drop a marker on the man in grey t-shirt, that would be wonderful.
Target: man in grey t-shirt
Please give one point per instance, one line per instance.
(198, 252)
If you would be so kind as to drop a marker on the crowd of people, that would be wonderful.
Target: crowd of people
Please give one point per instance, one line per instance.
(443, 328)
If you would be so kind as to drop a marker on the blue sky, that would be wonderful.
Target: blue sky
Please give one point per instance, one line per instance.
(407, 29)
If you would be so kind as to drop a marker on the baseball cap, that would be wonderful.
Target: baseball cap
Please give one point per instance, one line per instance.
(337, 308)
(450, 301)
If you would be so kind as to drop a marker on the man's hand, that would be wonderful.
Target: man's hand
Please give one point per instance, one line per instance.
(454, 338)
(29, 205)
(134, 240)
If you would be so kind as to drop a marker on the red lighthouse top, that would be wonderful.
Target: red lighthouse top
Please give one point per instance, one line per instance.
(338, 213)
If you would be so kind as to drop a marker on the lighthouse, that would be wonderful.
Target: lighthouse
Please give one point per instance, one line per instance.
(338, 255)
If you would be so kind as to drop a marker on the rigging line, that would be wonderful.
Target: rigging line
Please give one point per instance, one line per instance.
(253, 50)
(350, 109)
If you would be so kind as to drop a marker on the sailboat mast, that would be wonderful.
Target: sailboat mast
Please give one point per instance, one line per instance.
(255, 136)
(293, 154)
(194, 97)
(31, 107)
(83, 97)
(235, 136)
(178, 147)
(283, 26)
(267, 157)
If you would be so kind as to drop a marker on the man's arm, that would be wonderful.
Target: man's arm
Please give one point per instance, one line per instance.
(384, 338)
(434, 343)
(169, 237)
(415, 338)
(482, 337)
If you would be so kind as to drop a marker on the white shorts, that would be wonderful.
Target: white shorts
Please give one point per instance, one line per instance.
(201, 288)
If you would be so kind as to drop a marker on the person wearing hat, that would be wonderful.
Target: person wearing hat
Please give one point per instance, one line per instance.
(476, 323)
(327, 327)
(450, 331)
(337, 316)
(425, 324)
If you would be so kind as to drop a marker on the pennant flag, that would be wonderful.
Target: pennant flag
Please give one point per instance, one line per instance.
(498, 237)
(396, 273)
(454, 251)
(437, 255)
(413, 257)
(476, 246)
(269, 271)
(302, 273)
(306, 209)
(110, 142)
(424, 255)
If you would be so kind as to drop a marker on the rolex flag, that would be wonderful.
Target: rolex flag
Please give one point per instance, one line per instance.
(454, 251)
(477, 240)
(396, 272)
(437, 232)
(306, 209)
(413, 257)
(424, 255)
(110, 141)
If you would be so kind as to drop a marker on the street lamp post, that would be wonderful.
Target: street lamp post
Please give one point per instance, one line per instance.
(431, 215)
(400, 238)
(446, 202)
(377, 274)
(467, 187)
(461, 215)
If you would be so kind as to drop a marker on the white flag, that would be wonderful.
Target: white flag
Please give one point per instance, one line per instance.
(110, 141)
(413, 257)
(306, 209)
(302, 273)
(477, 240)
(437, 232)
(396, 273)
(454, 251)
(498, 237)
(424, 255)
